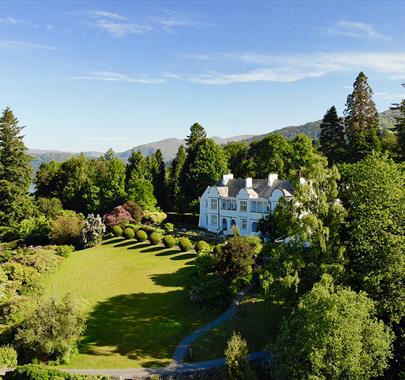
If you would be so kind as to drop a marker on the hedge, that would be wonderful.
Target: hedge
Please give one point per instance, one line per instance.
(129, 233)
(117, 231)
(191, 219)
(185, 244)
(141, 235)
(155, 238)
(169, 241)
(202, 246)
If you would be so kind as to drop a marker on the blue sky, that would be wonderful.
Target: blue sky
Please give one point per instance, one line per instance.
(89, 75)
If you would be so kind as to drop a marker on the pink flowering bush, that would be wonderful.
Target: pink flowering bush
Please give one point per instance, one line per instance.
(118, 216)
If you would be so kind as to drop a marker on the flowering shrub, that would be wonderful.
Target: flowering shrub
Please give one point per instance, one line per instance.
(118, 216)
(92, 232)
(134, 209)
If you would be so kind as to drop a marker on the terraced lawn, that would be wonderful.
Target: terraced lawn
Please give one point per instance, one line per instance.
(134, 295)
(257, 320)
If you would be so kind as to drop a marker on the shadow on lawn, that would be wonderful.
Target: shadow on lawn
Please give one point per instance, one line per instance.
(145, 325)
(169, 252)
(184, 256)
(153, 249)
(139, 246)
(126, 243)
(112, 241)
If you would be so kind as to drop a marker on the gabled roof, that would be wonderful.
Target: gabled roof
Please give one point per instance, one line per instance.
(258, 185)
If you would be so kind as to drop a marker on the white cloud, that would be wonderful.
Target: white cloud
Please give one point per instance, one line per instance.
(290, 68)
(23, 45)
(390, 96)
(121, 29)
(355, 29)
(8, 21)
(108, 76)
(105, 14)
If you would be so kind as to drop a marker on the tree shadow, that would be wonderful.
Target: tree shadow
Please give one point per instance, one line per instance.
(112, 241)
(153, 249)
(126, 243)
(139, 246)
(168, 252)
(184, 256)
(145, 326)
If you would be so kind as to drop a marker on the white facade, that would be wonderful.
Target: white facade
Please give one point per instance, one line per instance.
(240, 202)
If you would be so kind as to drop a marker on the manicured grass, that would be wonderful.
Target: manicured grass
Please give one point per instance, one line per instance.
(134, 295)
(256, 320)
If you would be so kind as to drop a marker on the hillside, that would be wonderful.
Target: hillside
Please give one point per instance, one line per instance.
(169, 146)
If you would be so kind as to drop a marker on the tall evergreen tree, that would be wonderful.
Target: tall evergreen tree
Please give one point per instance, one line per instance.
(176, 197)
(236, 153)
(400, 126)
(332, 138)
(361, 120)
(197, 133)
(158, 173)
(15, 170)
(136, 167)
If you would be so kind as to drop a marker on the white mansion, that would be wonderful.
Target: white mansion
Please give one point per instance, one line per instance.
(241, 202)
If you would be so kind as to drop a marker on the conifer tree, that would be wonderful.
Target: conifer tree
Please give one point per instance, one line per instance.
(176, 198)
(158, 173)
(400, 126)
(197, 133)
(332, 138)
(136, 167)
(361, 120)
(15, 170)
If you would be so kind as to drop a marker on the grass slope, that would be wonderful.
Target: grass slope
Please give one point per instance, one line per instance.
(256, 320)
(137, 309)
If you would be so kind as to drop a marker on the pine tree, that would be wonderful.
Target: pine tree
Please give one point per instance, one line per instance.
(158, 173)
(176, 198)
(197, 133)
(400, 126)
(332, 138)
(136, 167)
(15, 170)
(361, 120)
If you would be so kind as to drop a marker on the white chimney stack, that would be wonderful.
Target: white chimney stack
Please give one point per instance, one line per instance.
(271, 178)
(249, 182)
(226, 178)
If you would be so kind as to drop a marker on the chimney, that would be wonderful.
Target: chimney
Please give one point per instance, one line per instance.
(248, 182)
(271, 178)
(226, 178)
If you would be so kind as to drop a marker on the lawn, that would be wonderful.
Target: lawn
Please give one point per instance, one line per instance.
(134, 296)
(256, 320)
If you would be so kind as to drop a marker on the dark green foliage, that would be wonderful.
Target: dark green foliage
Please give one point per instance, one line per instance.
(234, 259)
(128, 233)
(117, 231)
(15, 172)
(64, 250)
(175, 195)
(236, 358)
(136, 168)
(47, 181)
(400, 126)
(155, 238)
(204, 263)
(373, 192)
(92, 232)
(52, 331)
(50, 207)
(210, 290)
(332, 334)
(8, 357)
(141, 235)
(332, 139)
(361, 120)
(237, 153)
(37, 372)
(185, 244)
(169, 241)
(197, 134)
(34, 231)
(149, 229)
(158, 173)
(202, 246)
(135, 210)
(269, 155)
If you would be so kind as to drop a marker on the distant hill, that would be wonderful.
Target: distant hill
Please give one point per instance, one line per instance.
(170, 146)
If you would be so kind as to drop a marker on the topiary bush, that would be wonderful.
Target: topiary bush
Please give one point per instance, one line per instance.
(169, 241)
(128, 233)
(8, 357)
(168, 227)
(202, 246)
(149, 229)
(155, 238)
(117, 231)
(185, 244)
(141, 235)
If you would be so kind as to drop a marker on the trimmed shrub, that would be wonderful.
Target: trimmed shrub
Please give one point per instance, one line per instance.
(169, 241)
(128, 233)
(64, 250)
(149, 229)
(116, 230)
(155, 217)
(134, 209)
(155, 238)
(202, 246)
(185, 244)
(38, 372)
(141, 235)
(8, 357)
(168, 227)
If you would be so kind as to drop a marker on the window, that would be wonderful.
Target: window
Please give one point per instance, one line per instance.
(223, 204)
(214, 220)
(233, 204)
(206, 219)
(254, 227)
(214, 204)
(244, 224)
(243, 206)
(253, 206)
